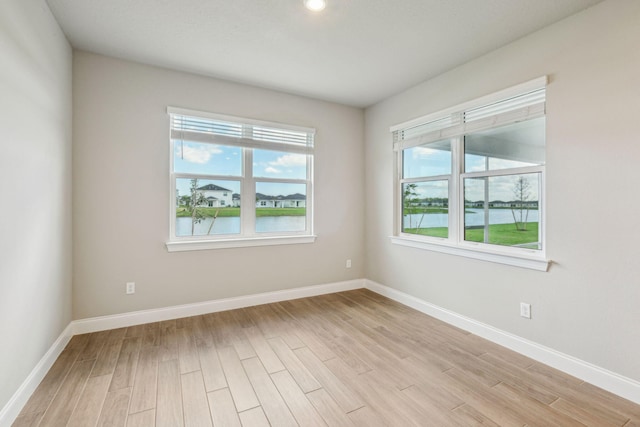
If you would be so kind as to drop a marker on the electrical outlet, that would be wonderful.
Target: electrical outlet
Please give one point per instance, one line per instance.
(348, 263)
(525, 310)
(131, 288)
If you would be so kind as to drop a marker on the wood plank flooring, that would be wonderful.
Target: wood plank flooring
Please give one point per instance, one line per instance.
(346, 359)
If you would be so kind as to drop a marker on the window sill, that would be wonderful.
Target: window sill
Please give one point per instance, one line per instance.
(531, 262)
(199, 245)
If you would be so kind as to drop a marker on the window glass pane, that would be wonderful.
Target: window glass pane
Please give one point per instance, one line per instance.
(280, 207)
(211, 159)
(503, 210)
(427, 160)
(517, 145)
(206, 207)
(425, 208)
(277, 164)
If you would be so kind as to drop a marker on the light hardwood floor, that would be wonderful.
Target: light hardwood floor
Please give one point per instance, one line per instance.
(347, 359)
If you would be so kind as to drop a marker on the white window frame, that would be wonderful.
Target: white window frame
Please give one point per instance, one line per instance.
(248, 142)
(448, 125)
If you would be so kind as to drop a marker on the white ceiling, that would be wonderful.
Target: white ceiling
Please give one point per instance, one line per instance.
(355, 52)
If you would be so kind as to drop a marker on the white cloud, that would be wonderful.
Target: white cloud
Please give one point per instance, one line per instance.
(290, 160)
(433, 189)
(200, 154)
(270, 169)
(422, 152)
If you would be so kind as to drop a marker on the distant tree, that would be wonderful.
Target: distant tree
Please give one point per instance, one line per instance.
(520, 207)
(411, 204)
(195, 200)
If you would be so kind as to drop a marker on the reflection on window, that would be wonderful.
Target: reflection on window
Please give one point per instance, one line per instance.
(518, 145)
(427, 160)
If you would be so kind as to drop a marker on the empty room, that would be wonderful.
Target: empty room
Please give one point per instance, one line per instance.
(300, 213)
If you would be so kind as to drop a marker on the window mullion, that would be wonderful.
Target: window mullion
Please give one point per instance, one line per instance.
(542, 217)
(309, 200)
(399, 218)
(455, 190)
(486, 209)
(172, 190)
(248, 195)
(172, 200)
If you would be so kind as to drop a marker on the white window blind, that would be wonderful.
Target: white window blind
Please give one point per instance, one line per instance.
(187, 125)
(468, 175)
(475, 116)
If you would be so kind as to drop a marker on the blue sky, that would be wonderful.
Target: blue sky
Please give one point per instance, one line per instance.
(500, 188)
(199, 158)
(435, 159)
(427, 161)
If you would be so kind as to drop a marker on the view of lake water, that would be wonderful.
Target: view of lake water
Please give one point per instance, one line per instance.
(231, 225)
(473, 217)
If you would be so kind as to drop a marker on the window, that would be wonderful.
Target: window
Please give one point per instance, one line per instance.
(238, 182)
(470, 180)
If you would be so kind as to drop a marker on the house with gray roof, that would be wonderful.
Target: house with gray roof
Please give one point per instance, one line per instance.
(296, 200)
(216, 196)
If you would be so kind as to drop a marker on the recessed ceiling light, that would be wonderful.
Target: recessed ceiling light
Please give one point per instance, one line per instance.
(315, 5)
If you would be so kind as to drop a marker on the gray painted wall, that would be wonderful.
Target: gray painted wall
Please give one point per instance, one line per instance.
(587, 304)
(35, 183)
(121, 191)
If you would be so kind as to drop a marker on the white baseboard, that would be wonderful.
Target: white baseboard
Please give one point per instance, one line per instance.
(600, 377)
(103, 323)
(617, 384)
(12, 409)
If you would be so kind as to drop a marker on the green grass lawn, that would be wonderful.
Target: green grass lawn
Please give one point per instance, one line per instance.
(281, 211)
(430, 231)
(182, 211)
(505, 234)
(225, 212)
(499, 234)
(424, 210)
